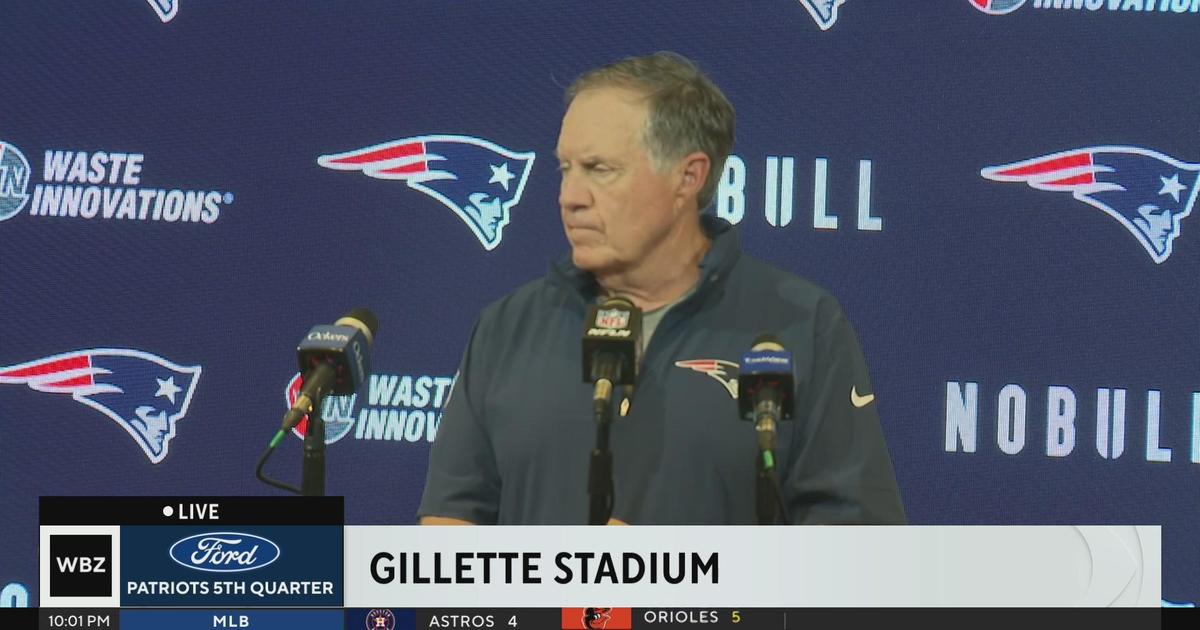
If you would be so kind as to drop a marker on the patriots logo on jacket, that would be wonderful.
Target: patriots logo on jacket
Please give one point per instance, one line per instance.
(166, 9)
(718, 370)
(1147, 191)
(143, 393)
(825, 12)
(479, 180)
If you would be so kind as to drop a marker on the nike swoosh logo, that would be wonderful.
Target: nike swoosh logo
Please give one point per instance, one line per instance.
(860, 401)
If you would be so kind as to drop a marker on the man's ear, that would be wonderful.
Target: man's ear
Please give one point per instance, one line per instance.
(694, 172)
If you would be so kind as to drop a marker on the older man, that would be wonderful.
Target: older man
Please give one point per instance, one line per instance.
(640, 151)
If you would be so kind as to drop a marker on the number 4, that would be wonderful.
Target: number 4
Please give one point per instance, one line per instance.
(512, 621)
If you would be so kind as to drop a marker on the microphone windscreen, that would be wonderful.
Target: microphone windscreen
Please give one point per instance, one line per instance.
(767, 343)
(362, 319)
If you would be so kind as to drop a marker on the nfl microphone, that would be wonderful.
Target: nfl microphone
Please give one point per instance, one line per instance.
(334, 360)
(765, 386)
(612, 346)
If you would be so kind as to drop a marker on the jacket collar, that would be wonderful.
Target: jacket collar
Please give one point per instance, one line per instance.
(714, 268)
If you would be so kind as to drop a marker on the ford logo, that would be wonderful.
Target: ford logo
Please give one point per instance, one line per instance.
(224, 552)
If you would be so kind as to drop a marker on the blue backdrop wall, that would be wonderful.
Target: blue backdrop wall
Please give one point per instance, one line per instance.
(998, 192)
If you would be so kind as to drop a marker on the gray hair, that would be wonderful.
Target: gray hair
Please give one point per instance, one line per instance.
(687, 112)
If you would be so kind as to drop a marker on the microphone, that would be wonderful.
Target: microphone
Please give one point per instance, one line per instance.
(765, 385)
(334, 360)
(612, 346)
(765, 397)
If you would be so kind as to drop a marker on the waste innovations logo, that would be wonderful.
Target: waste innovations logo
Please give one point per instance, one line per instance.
(1147, 192)
(14, 181)
(824, 12)
(224, 552)
(400, 408)
(14, 595)
(478, 180)
(145, 394)
(1003, 7)
(98, 185)
(166, 9)
(997, 7)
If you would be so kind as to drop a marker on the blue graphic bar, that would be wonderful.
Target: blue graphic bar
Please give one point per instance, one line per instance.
(232, 619)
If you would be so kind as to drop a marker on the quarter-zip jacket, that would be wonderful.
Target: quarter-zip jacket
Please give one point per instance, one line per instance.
(516, 433)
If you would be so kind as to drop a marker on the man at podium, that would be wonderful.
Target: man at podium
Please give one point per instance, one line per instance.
(640, 151)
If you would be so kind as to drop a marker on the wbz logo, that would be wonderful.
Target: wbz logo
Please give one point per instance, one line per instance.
(80, 565)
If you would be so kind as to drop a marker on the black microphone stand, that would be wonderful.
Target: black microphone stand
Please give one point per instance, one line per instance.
(312, 474)
(766, 491)
(600, 468)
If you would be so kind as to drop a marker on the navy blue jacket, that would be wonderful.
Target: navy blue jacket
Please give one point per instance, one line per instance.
(515, 436)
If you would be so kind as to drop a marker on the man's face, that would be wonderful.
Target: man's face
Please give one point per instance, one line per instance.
(615, 207)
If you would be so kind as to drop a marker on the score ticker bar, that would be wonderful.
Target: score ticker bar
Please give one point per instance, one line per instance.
(582, 618)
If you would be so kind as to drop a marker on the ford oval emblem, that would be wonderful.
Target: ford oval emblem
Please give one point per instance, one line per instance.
(224, 552)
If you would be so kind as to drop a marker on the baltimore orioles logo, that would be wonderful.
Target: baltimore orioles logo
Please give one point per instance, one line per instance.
(479, 181)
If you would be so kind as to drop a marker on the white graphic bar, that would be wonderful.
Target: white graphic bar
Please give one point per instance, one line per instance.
(762, 567)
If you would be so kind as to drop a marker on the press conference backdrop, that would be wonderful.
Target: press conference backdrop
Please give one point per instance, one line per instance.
(998, 192)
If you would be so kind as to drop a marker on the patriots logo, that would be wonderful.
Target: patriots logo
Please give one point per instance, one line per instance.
(337, 412)
(479, 180)
(143, 393)
(825, 12)
(997, 7)
(166, 9)
(1147, 191)
(718, 369)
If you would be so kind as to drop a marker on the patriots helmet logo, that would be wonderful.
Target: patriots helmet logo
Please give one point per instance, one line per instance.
(1146, 191)
(166, 9)
(718, 370)
(143, 393)
(478, 180)
(825, 12)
